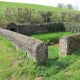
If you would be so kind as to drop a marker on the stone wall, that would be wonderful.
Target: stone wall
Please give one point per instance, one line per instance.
(31, 29)
(69, 44)
(34, 48)
(26, 29)
(35, 28)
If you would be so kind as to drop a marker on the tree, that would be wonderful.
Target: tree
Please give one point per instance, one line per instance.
(60, 5)
(69, 6)
(75, 8)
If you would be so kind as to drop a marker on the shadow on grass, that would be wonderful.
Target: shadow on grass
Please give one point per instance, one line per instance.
(60, 63)
(57, 63)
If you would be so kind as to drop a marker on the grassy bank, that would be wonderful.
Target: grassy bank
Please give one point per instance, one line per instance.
(14, 64)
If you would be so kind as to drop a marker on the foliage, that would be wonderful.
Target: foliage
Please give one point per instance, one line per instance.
(26, 15)
(21, 14)
(69, 6)
(72, 27)
(60, 5)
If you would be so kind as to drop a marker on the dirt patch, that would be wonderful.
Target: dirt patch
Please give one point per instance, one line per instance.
(38, 78)
(68, 72)
(15, 62)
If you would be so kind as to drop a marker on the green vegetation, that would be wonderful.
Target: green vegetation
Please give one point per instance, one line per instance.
(32, 13)
(50, 37)
(32, 6)
(72, 27)
(14, 64)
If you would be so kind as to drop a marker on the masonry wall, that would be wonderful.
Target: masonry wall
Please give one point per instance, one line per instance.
(42, 28)
(36, 28)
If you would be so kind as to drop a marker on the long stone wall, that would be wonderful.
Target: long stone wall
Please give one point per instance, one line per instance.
(69, 44)
(42, 28)
(34, 48)
(31, 29)
(35, 28)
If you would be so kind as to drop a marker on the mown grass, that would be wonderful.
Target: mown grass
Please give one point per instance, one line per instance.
(14, 64)
(32, 6)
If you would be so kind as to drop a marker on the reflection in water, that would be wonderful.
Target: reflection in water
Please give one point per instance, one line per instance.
(55, 45)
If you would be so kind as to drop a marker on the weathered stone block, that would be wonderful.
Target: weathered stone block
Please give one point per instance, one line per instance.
(68, 44)
(34, 48)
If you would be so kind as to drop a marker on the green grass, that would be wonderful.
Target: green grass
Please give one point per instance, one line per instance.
(68, 68)
(33, 6)
(14, 64)
(50, 37)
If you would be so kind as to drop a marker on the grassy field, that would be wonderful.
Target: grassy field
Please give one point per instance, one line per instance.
(32, 6)
(14, 64)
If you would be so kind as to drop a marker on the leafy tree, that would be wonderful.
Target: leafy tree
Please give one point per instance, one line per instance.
(75, 8)
(69, 6)
(60, 5)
